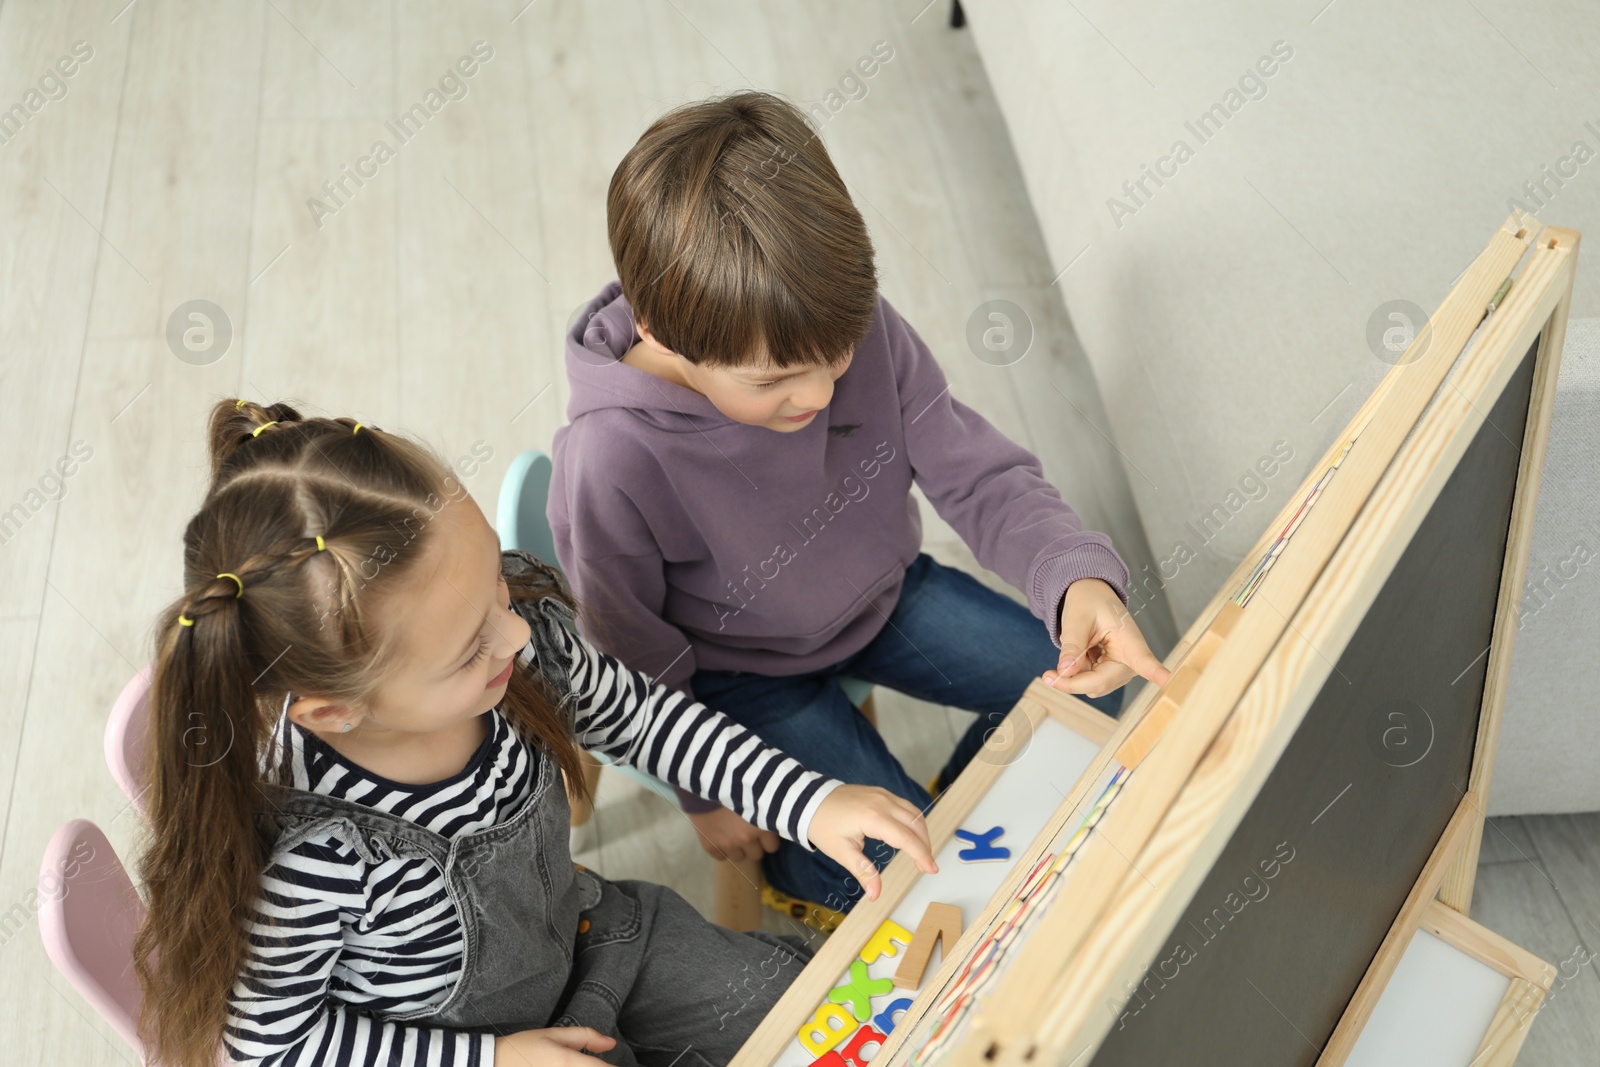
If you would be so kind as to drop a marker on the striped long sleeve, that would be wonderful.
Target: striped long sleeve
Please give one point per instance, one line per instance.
(280, 1014)
(638, 721)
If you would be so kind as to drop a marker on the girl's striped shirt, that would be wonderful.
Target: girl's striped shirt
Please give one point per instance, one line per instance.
(383, 938)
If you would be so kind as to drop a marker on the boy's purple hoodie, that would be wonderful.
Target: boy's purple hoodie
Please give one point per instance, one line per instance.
(693, 541)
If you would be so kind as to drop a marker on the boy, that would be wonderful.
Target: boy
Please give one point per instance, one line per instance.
(731, 499)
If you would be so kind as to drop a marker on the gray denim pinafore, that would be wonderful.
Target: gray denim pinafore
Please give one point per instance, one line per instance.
(550, 943)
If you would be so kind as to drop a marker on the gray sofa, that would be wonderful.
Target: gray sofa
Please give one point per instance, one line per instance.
(1235, 193)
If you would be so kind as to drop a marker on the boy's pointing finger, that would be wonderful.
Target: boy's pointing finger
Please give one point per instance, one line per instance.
(1143, 661)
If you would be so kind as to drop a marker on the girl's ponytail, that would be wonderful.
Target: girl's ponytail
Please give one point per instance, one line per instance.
(206, 851)
(236, 424)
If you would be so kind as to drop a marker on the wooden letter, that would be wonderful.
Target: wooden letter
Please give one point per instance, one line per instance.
(939, 920)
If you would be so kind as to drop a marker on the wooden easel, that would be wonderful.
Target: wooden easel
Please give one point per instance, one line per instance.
(1199, 751)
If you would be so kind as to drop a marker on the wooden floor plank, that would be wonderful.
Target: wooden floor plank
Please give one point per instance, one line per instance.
(1506, 840)
(328, 61)
(473, 263)
(54, 171)
(174, 216)
(1569, 847)
(320, 319)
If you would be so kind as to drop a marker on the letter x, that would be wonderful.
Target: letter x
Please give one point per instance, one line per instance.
(859, 993)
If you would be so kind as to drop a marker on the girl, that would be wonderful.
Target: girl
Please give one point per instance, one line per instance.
(362, 711)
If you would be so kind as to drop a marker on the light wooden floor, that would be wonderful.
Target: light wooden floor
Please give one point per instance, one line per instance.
(178, 166)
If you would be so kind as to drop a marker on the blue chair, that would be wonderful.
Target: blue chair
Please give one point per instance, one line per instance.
(520, 515)
(522, 522)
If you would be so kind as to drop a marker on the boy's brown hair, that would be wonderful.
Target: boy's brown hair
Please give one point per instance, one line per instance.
(732, 231)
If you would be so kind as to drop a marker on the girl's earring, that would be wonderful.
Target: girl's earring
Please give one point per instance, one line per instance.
(347, 727)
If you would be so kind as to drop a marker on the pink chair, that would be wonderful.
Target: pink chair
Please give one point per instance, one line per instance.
(89, 910)
(88, 914)
(125, 734)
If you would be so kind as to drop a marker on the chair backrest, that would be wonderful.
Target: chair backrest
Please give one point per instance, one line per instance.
(125, 735)
(88, 914)
(520, 513)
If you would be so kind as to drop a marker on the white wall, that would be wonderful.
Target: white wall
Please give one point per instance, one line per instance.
(1227, 309)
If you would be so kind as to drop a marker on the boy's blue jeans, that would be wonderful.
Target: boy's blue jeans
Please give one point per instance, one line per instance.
(950, 640)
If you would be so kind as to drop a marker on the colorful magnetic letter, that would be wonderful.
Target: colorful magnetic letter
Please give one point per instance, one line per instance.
(882, 942)
(983, 846)
(829, 1059)
(860, 990)
(825, 1029)
(888, 1017)
(856, 1050)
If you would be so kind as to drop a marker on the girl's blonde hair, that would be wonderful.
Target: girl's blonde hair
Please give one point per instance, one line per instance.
(309, 526)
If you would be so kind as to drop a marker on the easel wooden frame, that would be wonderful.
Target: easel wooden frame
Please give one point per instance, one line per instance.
(1456, 857)
(1230, 720)
(1531, 978)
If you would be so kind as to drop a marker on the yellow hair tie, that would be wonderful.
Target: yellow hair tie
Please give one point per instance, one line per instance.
(236, 578)
(320, 546)
(257, 431)
(237, 404)
(182, 621)
(357, 429)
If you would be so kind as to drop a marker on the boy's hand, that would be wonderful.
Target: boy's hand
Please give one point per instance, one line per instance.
(1101, 647)
(851, 814)
(725, 835)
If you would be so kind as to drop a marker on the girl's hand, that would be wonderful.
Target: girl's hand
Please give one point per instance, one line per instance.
(851, 814)
(561, 1046)
(1101, 646)
(726, 836)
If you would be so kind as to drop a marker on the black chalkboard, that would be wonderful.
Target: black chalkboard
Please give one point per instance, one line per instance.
(1273, 944)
